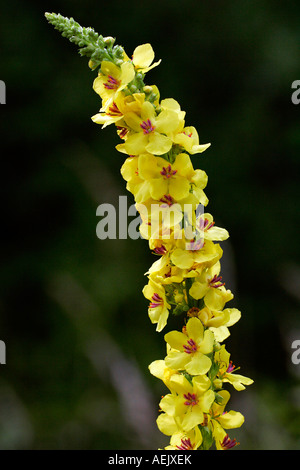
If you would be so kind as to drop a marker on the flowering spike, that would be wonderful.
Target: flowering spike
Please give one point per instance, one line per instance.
(186, 279)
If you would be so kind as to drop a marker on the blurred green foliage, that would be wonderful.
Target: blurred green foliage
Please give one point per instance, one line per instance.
(73, 317)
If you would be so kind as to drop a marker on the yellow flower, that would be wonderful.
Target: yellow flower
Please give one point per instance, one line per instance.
(121, 105)
(188, 139)
(143, 57)
(209, 287)
(130, 173)
(206, 226)
(159, 308)
(162, 269)
(163, 220)
(150, 131)
(111, 80)
(159, 215)
(220, 420)
(185, 409)
(173, 105)
(176, 180)
(199, 181)
(190, 440)
(164, 182)
(189, 351)
(218, 321)
(226, 371)
(161, 371)
(166, 178)
(195, 256)
(165, 273)
(168, 424)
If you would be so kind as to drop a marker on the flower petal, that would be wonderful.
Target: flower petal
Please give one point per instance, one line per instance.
(147, 166)
(167, 424)
(184, 165)
(182, 258)
(143, 56)
(158, 143)
(199, 364)
(198, 290)
(207, 344)
(194, 329)
(167, 121)
(193, 418)
(232, 419)
(179, 188)
(127, 74)
(136, 143)
(158, 187)
(176, 340)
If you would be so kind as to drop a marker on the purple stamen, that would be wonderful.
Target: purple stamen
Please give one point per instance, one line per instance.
(167, 199)
(185, 445)
(113, 110)
(167, 172)
(216, 282)
(230, 367)
(191, 399)
(112, 83)
(157, 301)
(195, 245)
(147, 126)
(205, 225)
(160, 250)
(191, 347)
(228, 443)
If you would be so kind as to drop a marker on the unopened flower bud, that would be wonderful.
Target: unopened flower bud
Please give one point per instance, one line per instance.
(109, 41)
(93, 64)
(218, 384)
(178, 298)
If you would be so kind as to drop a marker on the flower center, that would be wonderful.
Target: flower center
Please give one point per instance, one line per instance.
(230, 367)
(204, 224)
(195, 244)
(216, 282)
(190, 347)
(189, 134)
(191, 399)
(112, 83)
(122, 131)
(228, 443)
(167, 199)
(113, 110)
(156, 301)
(147, 126)
(186, 445)
(167, 172)
(160, 250)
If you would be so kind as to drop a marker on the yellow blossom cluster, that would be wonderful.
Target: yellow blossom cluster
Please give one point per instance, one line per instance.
(185, 279)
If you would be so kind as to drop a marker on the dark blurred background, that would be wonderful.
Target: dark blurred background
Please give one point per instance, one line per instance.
(73, 317)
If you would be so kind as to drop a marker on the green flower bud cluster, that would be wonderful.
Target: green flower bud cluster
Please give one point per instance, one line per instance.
(90, 43)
